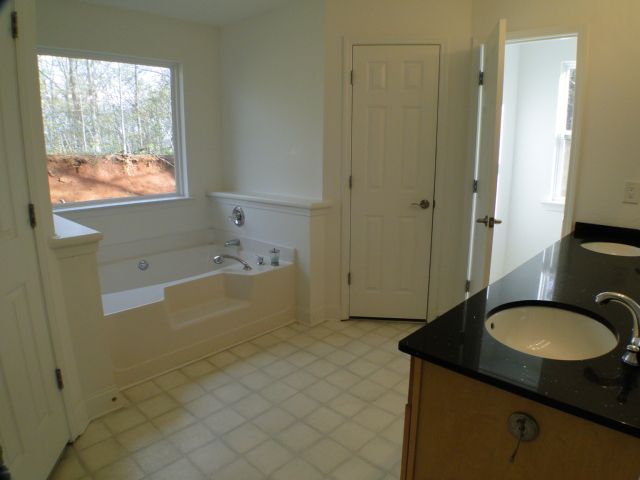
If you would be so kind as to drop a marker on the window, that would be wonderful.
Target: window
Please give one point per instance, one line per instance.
(564, 126)
(110, 130)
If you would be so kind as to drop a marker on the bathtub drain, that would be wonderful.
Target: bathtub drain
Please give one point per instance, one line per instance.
(143, 265)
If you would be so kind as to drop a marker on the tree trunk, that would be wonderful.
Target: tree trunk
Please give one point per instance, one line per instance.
(123, 130)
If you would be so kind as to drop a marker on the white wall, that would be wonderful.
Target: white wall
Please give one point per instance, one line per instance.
(76, 253)
(272, 100)
(530, 222)
(608, 147)
(78, 25)
(272, 91)
(435, 20)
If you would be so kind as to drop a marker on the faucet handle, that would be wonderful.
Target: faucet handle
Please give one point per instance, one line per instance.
(630, 357)
(260, 260)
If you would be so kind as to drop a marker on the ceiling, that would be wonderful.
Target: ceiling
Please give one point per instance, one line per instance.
(215, 12)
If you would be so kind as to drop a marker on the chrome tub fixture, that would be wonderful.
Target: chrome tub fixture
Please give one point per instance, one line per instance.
(219, 259)
(237, 216)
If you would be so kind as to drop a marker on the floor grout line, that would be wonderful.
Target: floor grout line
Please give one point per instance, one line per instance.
(289, 339)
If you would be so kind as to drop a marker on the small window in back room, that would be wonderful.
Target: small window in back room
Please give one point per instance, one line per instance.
(564, 127)
(110, 130)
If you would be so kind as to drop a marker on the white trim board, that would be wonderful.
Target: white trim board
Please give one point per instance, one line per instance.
(280, 203)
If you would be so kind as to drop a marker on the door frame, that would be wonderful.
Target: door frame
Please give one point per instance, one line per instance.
(345, 164)
(38, 187)
(581, 32)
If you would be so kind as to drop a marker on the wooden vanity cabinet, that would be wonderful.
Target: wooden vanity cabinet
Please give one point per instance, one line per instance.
(456, 428)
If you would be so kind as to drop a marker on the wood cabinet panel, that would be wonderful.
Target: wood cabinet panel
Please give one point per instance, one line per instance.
(458, 430)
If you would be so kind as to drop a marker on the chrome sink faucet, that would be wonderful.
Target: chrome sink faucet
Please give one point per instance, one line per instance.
(630, 356)
(218, 259)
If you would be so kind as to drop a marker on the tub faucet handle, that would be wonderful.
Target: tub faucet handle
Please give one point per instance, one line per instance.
(260, 260)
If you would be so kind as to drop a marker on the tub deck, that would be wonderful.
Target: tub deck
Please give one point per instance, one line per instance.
(154, 328)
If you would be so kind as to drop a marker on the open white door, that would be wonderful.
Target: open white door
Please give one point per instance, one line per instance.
(33, 426)
(488, 156)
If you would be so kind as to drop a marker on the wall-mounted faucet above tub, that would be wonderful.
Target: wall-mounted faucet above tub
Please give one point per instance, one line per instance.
(234, 242)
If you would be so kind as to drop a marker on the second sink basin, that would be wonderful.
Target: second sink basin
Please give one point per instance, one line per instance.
(610, 248)
(551, 332)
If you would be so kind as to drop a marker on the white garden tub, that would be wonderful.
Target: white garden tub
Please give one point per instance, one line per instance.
(183, 307)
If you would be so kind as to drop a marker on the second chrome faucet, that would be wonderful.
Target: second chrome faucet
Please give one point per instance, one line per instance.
(630, 356)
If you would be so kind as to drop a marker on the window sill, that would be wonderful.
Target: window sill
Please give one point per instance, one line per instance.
(553, 205)
(108, 206)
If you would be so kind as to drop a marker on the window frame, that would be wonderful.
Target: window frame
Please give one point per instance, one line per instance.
(177, 118)
(561, 132)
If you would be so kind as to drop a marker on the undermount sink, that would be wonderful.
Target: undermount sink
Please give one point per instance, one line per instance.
(550, 332)
(610, 248)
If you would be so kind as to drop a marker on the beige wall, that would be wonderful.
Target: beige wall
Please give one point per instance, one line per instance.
(437, 20)
(609, 138)
(272, 100)
(79, 25)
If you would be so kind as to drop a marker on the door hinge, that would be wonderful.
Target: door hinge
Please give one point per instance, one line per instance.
(351, 77)
(475, 186)
(32, 215)
(467, 286)
(349, 278)
(59, 379)
(14, 24)
(350, 182)
(481, 78)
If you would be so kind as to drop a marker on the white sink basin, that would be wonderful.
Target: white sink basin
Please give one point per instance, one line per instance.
(551, 333)
(609, 248)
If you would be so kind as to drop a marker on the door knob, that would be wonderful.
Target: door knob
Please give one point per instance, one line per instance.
(489, 221)
(424, 204)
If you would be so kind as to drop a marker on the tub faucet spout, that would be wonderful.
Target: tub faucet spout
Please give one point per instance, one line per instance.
(630, 356)
(234, 242)
(219, 259)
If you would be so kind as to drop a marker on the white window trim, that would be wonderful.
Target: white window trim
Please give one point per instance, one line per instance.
(177, 102)
(561, 133)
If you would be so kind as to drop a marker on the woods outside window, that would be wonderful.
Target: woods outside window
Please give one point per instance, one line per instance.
(111, 128)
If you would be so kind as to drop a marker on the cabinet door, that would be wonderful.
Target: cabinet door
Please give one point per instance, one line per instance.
(458, 430)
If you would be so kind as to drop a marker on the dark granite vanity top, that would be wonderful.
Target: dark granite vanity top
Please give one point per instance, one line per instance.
(602, 389)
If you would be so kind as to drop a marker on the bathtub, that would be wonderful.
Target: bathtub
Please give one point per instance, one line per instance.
(168, 309)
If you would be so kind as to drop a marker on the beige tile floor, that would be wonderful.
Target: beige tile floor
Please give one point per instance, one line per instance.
(297, 403)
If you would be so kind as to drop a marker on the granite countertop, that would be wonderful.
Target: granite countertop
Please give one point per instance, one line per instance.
(602, 389)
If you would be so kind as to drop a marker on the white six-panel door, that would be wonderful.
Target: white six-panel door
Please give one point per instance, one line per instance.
(33, 428)
(394, 126)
